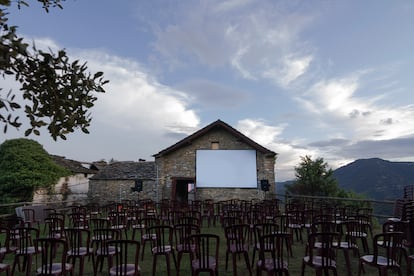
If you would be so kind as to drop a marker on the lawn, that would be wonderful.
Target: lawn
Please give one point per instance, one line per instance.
(295, 262)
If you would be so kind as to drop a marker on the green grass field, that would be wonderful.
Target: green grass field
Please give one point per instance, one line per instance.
(295, 262)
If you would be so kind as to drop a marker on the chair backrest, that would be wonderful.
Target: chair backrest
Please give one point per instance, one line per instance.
(26, 236)
(274, 247)
(323, 246)
(149, 222)
(97, 223)
(5, 240)
(117, 218)
(393, 244)
(55, 227)
(395, 226)
(52, 261)
(77, 239)
(206, 255)
(78, 220)
(183, 231)
(101, 236)
(231, 220)
(164, 234)
(236, 236)
(126, 258)
(356, 228)
(323, 226)
(189, 220)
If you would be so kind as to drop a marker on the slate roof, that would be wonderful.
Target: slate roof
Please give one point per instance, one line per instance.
(72, 165)
(127, 170)
(217, 124)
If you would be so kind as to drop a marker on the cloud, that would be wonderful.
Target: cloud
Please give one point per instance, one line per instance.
(256, 41)
(137, 112)
(288, 151)
(341, 104)
(213, 95)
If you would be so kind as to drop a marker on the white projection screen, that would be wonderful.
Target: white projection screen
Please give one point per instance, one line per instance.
(226, 169)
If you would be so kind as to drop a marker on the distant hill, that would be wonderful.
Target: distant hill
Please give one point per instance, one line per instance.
(376, 178)
(280, 186)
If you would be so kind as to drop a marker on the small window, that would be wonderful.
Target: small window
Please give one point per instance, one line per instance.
(215, 145)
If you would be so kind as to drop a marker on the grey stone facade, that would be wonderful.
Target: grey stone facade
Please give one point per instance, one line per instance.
(178, 162)
(114, 182)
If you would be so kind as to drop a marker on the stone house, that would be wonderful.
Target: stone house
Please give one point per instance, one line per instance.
(70, 188)
(195, 166)
(120, 181)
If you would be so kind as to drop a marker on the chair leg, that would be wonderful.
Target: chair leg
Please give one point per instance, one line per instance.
(167, 258)
(246, 258)
(154, 264)
(303, 269)
(234, 257)
(360, 268)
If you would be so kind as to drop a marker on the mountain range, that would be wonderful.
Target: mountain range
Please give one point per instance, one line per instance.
(374, 178)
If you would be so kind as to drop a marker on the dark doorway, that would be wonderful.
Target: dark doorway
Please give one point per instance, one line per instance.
(180, 189)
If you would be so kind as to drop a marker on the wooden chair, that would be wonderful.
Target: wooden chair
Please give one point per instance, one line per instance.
(6, 240)
(261, 229)
(53, 257)
(357, 230)
(273, 254)
(321, 253)
(182, 244)
(119, 220)
(25, 249)
(162, 245)
(125, 261)
(237, 244)
(392, 242)
(99, 249)
(206, 257)
(145, 223)
(78, 246)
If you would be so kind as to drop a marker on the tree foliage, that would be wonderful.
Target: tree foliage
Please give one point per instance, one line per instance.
(314, 178)
(58, 93)
(25, 166)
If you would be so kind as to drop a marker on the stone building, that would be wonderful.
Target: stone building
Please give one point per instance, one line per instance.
(179, 175)
(70, 188)
(120, 181)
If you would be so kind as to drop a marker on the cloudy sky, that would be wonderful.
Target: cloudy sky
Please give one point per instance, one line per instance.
(330, 79)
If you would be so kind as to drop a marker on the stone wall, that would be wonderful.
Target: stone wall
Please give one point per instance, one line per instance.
(103, 191)
(181, 163)
(73, 188)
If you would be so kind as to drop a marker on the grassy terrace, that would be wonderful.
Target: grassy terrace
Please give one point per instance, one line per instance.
(294, 262)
